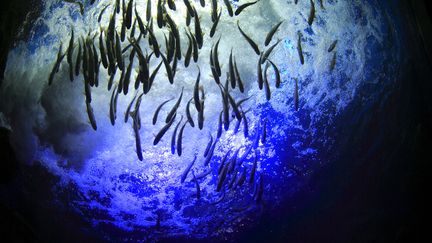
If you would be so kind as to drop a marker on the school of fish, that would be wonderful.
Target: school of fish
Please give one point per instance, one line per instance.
(116, 48)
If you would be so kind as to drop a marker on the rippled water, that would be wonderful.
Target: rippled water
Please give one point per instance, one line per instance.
(99, 172)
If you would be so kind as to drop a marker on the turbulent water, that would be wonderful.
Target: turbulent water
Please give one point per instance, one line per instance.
(110, 187)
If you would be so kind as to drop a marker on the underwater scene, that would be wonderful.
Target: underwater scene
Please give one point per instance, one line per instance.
(165, 120)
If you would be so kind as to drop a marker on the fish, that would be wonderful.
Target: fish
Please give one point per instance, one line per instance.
(180, 138)
(132, 33)
(174, 65)
(126, 80)
(204, 173)
(222, 177)
(231, 71)
(128, 15)
(233, 160)
(311, 13)
(188, 18)
(111, 28)
(143, 64)
(170, 46)
(237, 126)
(299, 48)
(189, 51)
(240, 102)
(216, 58)
(198, 30)
(96, 65)
(277, 74)
(233, 179)
(160, 14)
(102, 12)
(253, 169)
(117, 6)
(202, 2)
(84, 59)
(223, 160)
(127, 113)
(153, 76)
(80, 5)
(245, 125)
(238, 78)
(168, 69)
(186, 171)
(201, 115)
(176, 34)
(243, 6)
(56, 66)
(91, 65)
(219, 131)
(196, 92)
(229, 8)
(189, 8)
(171, 4)
(102, 50)
(111, 79)
(78, 59)
(213, 68)
(260, 74)
(198, 193)
(69, 56)
(296, 95)
(137, 139)
(135, 114)
(209, 144)
(249, 40)
(173, 111)
(140, 22)
(245, 154)
(332, 46)
(91, 116)
(155, 116)
(322, 4)
(215, 23)
(241, 179)
(119, 57)
(272, 32)
(257, 136)
(214, 10)
(148, 10)
(123, 23)
(164, 129)
(113, 106)
(264, 131)
(260, 189)
(132, 55)
(234, 106)
(120, 82)
(188, 114)
(269, 51)
(225, 109)
(266, 83)
(112, 66)
(333, 62)
(210, 153)
(174, 136)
